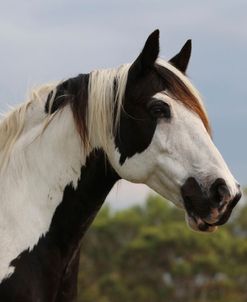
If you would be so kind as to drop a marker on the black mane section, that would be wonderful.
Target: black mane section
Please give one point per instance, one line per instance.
(74, 92)
(67, 92)
(47, 104)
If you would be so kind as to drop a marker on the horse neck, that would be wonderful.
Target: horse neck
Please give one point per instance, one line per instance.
(45, 183)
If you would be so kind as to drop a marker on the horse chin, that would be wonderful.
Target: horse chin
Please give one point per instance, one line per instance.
(198, 224)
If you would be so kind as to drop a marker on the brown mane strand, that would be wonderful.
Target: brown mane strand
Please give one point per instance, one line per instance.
(181, 92)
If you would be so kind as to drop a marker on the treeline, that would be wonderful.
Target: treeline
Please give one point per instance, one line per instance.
(148, 254)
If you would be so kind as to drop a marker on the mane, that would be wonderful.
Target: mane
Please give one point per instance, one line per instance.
(96, 100)
(179, 86)
(12, 123)
(105, 99)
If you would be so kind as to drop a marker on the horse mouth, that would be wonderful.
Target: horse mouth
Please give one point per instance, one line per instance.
(210, 222)
(206, 210)
(199, 224)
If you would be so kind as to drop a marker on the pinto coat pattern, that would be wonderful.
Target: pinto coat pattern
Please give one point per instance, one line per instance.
(63, 150)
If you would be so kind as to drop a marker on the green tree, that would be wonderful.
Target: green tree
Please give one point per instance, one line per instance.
(148, 254)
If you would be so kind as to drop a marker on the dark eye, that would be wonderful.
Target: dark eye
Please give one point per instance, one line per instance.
(159, 109)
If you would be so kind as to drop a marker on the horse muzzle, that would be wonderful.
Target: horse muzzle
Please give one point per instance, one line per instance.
(208, 209)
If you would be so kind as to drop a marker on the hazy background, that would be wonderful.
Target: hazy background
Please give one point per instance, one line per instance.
(42, 41)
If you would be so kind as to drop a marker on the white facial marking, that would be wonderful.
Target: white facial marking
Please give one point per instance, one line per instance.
(180, 148)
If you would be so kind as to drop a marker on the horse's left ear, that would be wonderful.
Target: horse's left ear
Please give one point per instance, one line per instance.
(181, 60)
(148, 56)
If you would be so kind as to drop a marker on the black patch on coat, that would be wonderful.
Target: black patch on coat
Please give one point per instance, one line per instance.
(136, 128)
(48, 273)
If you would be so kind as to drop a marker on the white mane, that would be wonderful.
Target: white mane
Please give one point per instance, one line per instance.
(106, 92)
(13, 123)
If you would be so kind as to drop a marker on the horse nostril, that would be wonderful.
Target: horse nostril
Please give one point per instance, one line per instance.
(220, 192)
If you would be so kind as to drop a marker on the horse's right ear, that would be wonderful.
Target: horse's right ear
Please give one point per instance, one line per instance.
(148, 56)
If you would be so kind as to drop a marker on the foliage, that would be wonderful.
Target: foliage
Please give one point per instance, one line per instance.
(148, 254)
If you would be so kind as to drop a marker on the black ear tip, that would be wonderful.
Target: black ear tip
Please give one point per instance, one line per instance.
(153, 41)
(155, 34)
(188, 43)
(181, 60)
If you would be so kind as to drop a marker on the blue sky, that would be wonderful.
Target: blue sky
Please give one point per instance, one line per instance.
(42, 41)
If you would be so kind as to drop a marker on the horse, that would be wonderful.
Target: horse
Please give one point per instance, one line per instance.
(63, 149)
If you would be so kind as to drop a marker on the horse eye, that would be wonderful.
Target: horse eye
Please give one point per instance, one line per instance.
(159, 110)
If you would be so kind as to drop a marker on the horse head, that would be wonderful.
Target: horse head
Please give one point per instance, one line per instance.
(163, 139)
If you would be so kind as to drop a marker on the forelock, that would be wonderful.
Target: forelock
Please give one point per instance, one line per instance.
(182, 90)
